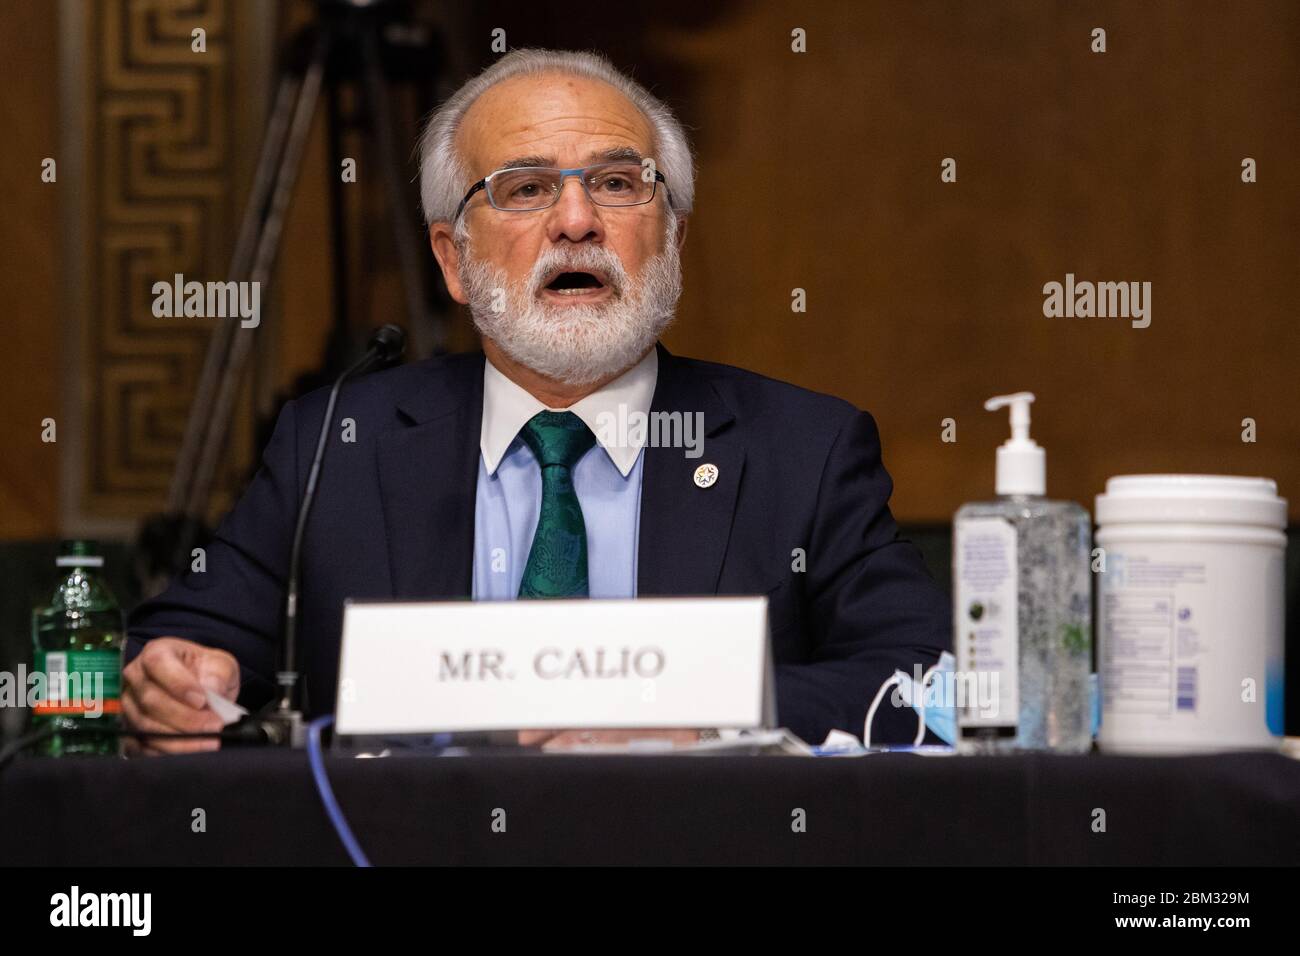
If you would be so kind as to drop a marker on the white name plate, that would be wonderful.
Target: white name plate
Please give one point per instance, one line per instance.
(417, 668)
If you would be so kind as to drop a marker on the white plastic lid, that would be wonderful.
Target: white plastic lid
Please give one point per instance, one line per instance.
(1208, 499)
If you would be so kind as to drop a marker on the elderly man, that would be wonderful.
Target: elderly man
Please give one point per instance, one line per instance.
(557, 191)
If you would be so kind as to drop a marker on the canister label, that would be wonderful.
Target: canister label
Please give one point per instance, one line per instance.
(1190, 646)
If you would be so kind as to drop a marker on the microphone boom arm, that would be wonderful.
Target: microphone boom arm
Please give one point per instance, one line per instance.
(285, 724)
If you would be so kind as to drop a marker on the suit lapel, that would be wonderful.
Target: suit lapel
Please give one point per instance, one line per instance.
(428, 475)
(685, 528)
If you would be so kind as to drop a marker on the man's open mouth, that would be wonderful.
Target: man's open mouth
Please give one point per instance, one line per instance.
(576, 283)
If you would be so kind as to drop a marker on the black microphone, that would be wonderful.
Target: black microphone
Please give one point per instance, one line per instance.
(283, 725)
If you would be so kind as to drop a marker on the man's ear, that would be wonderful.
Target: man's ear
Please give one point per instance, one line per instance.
(681, 232)
(448, 256)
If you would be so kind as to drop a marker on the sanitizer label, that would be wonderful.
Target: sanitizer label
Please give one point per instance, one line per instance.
(986, 631)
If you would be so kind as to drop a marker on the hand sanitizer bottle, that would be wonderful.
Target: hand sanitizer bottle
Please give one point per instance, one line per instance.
(1022, 607)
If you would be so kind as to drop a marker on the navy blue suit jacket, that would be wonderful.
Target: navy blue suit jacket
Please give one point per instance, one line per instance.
(394, 518)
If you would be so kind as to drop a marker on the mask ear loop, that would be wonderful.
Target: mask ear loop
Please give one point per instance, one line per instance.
(920, 711)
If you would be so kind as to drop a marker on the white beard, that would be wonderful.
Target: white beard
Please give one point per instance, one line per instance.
(576, 344)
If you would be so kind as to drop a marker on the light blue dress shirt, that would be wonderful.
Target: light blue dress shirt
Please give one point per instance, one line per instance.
(607, 479)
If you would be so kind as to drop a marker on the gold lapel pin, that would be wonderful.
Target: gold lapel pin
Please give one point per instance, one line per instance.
(706, 475)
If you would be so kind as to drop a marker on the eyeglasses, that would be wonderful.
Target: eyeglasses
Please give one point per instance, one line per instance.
(530, 188)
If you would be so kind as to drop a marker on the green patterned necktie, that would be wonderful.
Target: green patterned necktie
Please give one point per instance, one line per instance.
(557, 562)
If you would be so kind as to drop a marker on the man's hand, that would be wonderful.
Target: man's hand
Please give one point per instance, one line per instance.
(163, 692)
(553, 740)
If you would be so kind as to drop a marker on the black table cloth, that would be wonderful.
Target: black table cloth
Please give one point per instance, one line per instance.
(261, 807)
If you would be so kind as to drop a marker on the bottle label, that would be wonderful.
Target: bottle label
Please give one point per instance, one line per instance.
(985, 616)
(80, 683)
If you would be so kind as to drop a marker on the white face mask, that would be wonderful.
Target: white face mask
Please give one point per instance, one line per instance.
(576, 344)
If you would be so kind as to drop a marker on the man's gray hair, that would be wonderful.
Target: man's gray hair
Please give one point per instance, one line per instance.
(444, 179)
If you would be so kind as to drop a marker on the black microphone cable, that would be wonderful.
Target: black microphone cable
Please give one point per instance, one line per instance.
(244, 732)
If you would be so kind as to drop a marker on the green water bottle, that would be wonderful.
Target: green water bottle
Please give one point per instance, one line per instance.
(77, 642)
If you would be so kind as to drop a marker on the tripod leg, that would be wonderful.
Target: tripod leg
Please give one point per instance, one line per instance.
(218, 350)
(338, 218)
(268, 245)
(413, 276)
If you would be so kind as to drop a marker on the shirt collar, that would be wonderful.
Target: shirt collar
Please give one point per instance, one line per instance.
(507, 407)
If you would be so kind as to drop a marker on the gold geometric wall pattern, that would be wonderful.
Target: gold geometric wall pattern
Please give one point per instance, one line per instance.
(161, 177)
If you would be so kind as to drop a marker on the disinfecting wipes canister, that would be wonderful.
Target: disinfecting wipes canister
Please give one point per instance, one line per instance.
(1190, 613)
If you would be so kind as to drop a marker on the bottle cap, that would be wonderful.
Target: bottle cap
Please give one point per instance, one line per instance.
(79, 554)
